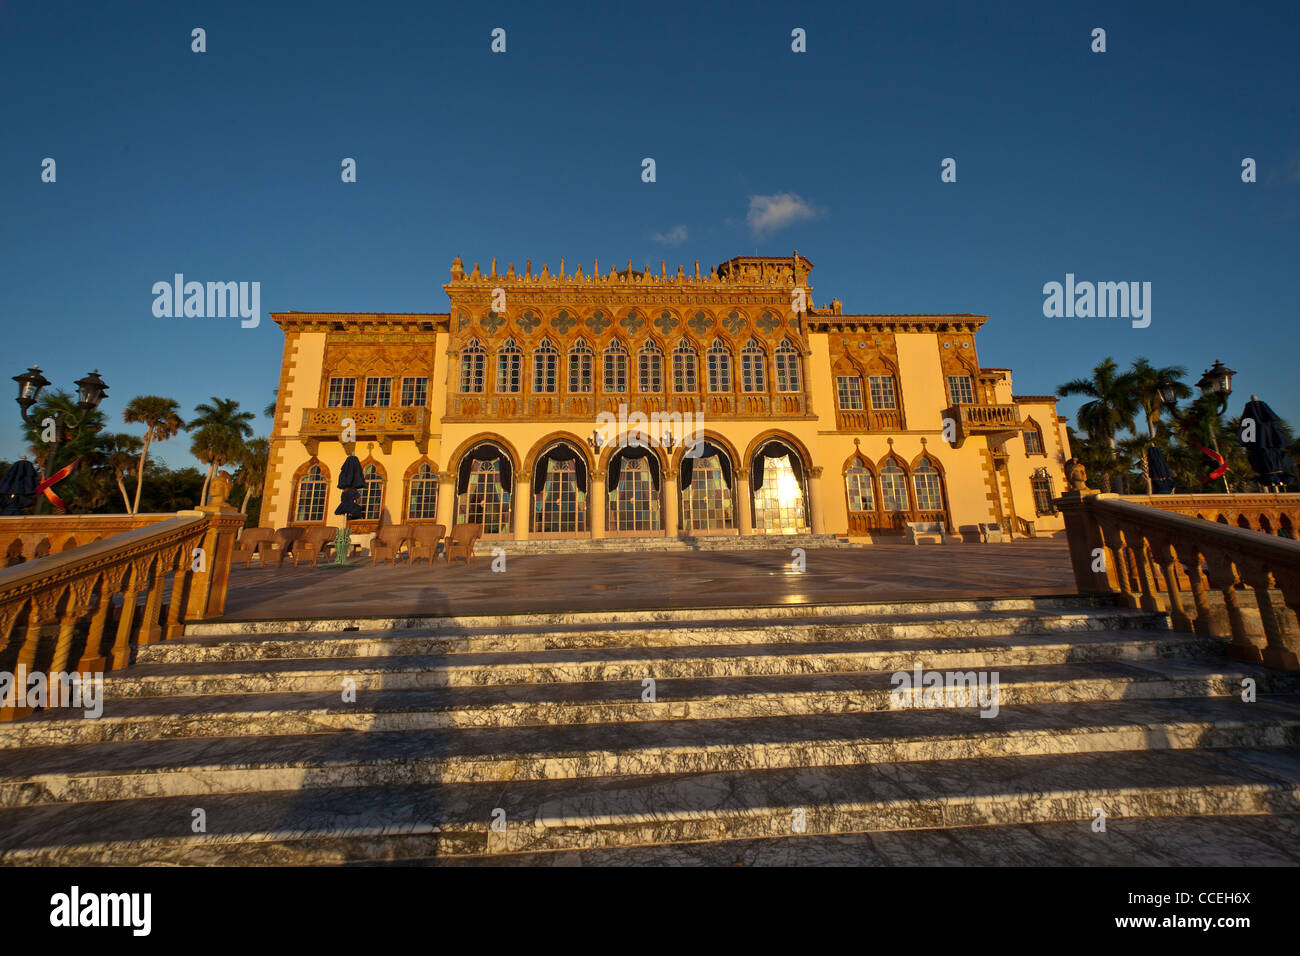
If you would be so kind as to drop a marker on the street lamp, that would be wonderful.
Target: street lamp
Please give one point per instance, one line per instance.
(30, 384)
(1217, 381)
(1168, 390)
(91, 390)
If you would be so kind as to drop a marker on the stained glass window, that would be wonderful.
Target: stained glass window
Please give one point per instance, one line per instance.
(372, 498)
(929, 493)
(893, 487)
(753, 367)
(685, 368)
(473, 366)
(778, 505)
(342, 392)
(485, 501)
(719, 367)
(882, 392)
(615, 367)
(415, 391)
(787, 367)
(311, 496)
(424, 494)
(562, 505)
(634, 504)
(546, 365)
(858, 482)
(848, 389)
(510, 363)
(379, 391)
(580, 360)
(650, 367)
(706, 504)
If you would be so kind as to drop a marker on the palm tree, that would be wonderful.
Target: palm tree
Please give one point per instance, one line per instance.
(221, 429)
(252, 460)
(121, 452)
(1146, 388)
(158, 416)
(82, 444)
(1112, 408)
(269, 411)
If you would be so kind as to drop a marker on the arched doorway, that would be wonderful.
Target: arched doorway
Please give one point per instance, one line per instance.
(706, 491)
(559, 487)
(483, 483)
(780, 497)
(634, 482)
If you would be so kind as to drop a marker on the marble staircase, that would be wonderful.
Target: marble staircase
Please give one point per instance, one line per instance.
(772, 736)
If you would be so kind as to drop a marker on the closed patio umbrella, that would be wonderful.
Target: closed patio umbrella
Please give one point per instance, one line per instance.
(1267, 453)
(18, 487)
(1162, 479)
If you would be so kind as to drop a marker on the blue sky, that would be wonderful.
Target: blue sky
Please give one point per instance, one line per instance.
(1122, 166)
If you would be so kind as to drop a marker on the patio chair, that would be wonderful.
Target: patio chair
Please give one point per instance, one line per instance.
(460, 543)
(388, 542)
(285, 540)
(424, 541)
(314, 543)
(254, 541)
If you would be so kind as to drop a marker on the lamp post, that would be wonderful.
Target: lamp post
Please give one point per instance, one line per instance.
(91, 390)
(1217, 381)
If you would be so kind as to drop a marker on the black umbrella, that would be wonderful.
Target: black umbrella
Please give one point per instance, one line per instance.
(1162, 479)
(18, 487)
(1267, 452)
(351, 478)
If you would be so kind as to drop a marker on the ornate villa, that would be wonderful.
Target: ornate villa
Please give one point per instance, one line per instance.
(812, 420)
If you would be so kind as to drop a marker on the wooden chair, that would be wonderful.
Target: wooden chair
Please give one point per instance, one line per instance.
(254, 541)
(314, 543)
(460, 543)
(388, 542)
(285, 540)
(424, 541)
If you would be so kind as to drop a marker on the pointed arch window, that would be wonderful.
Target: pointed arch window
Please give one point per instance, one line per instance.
(311, 496)
(929, 487)
(510, 364)
(719, 357)
(685, 368)
(1034, 439)
(650, 368)
(615, 367)
(787, 367)
(857, 482)
(373, 497)
(753, 367)
(893, 487)
(580, 365)
(848, 392)
(422, 501)
(546, 368)
(473, 366)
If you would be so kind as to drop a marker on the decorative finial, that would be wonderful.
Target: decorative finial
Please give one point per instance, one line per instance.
(528, 268)
(494, 267)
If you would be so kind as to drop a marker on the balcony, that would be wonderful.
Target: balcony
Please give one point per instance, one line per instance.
(382, 425)
(997, 422)
(869, 420)
(586, 407)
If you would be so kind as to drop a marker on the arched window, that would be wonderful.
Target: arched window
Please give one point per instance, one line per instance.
(650, 368)
(510, 363)
(857, 482)
(422, 500)
(546, 368)
(1033, 439)
(615, 367)
(753, 367)
(685, 368)
(893, 487)
(560, 491)
(633, 493)
(719, 357)
(778, 493)
(580, 360)
(473, 366)
(929, 490)
(311, 496)
(483, 481)
(787, 367)
(372, 498)
(706, 492)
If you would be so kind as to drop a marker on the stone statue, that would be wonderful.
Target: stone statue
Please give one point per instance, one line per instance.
(1077, 476)
(219, 489)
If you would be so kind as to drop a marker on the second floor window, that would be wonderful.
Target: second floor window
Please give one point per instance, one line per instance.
(615, 367)
(580, 360)
(685, 370)
(510, 363)
(787, 367)
(415, 391)
(882, 392)
(960, 390)
(848, 389)
(650, 368)
(719, 367)
(379, 392)
(1033, 442)
(753, 367)
(473, 367)
(342, 393)
(546, 368)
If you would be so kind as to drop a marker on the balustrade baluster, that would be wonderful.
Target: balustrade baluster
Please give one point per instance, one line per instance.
(92, 658)
(1168, 562)
(1191, 558)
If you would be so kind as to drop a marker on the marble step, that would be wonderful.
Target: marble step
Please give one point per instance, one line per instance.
(453, 624)
(228, 715)
(383, 643)
(394, 823)
(204, 766)
(637, 663)
(749, 542)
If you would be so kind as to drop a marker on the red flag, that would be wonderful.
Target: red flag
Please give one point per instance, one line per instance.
(1218, 472)
(54, 479)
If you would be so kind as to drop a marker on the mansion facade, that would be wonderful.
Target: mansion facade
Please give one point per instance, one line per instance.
(743, 409)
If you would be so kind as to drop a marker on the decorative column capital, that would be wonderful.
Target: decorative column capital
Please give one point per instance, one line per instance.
(816, 471)
(742, 474)
(446, 477)
(670, 473)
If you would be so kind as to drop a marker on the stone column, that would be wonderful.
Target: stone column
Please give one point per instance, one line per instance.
(446, 512)
(596, 505)
(523, 506)
(816, 513)
(743, 501)
(668, 502)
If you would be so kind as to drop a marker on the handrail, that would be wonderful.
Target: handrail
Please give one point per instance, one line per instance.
(1118, 546)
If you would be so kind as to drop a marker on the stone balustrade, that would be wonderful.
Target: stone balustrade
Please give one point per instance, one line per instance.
(1159, 560)
(1270, 513)
(83, 609)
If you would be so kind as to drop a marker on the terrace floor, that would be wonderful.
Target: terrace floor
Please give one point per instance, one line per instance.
(628, 580)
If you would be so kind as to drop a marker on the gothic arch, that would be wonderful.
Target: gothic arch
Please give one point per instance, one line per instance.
(486, 437)
(542, 444)
(799, 447)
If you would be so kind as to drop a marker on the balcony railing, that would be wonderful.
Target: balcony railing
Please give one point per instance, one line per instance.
(384, 425)
(84, 608)
(586, 407)
(1161, 561)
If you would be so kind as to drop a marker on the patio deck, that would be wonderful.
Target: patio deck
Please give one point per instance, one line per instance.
(626, 581)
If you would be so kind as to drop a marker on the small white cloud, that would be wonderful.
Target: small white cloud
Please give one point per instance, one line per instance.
(673, 237)
(769, 213)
